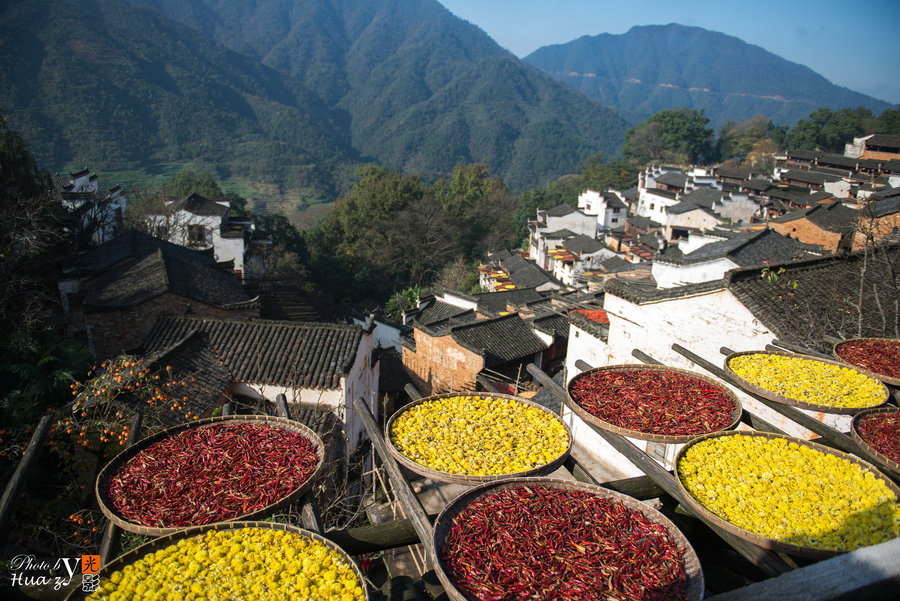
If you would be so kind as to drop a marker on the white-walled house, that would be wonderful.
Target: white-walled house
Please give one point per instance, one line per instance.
(315, 365)
(742, 311)
(609, 207)
(711, 261)
(98, 217)
(553, 226)
(201, 223)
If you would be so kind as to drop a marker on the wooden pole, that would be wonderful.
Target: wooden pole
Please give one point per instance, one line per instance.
(113, 533)
(411, 504)
(13, 490)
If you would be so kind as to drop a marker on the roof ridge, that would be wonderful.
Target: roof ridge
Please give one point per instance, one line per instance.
(257, 321)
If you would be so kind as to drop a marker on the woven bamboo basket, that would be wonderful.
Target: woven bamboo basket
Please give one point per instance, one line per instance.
(734, 414)
(134, 555)
(762, 541)
(889, 380)
(109, 471)
(888, 465)
(472, 480)
(695, 583)
(778, 398)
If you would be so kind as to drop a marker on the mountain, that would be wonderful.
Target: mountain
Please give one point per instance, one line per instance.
(103, 84)
(651, 68)
(282, 98)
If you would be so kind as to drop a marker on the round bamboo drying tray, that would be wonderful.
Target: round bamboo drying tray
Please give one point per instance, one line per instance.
(172, 538)
(778, 398)
(890, 467)
(734, 414)
(889, 380)
(110, 469)
(695, 584)
(762, 541)
(471, 480)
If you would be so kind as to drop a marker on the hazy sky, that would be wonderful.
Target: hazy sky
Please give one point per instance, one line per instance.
(854, 44)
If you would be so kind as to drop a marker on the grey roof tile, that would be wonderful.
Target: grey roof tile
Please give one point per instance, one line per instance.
(500, 340)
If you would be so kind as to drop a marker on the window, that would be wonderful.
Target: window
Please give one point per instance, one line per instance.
(615, 210)
(614, 220)
(651, 206)
(196, 233)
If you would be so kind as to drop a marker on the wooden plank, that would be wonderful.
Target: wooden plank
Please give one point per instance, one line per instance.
(411, 504)
(644, 357)
(413, 392)
(227, 409)
(867, 573)
(13, 490)
(281, 407)
(765, 560)
(782, 345)
(376, 537)
(113, 533)
(309, 513)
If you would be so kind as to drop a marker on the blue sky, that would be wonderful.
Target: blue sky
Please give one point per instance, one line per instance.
(855, 44)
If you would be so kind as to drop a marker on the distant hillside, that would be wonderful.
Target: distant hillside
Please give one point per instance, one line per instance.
(283, 98)
(421, 90)
(657, 67)
(100, 83)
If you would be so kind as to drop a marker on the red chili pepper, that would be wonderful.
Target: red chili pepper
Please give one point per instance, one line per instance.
(881, 430)
(881, 357)
(535, 542)
(211, 474)
(654, 401)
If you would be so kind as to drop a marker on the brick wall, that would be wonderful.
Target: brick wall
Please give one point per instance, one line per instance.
(439, 364)
(881, 228)
(113, 332)
(808, 232)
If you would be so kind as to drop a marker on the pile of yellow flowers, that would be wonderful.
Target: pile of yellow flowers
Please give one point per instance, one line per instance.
(808, 380)
(478, 436)
(789, 492)
(244, 563)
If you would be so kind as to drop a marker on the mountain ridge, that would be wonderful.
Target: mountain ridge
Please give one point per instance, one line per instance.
(655, 67)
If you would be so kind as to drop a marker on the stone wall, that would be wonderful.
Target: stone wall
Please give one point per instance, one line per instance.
(808, 232)
(439, 364)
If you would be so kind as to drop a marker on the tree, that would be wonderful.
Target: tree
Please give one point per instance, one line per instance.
(601, 176)
(676, 135)
(888, 123)
(738, 139)
(187, 182)
(830, 131)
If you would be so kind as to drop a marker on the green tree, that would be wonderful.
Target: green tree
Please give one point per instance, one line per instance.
(830, 130)
(677, 135)
(888, 123)
(601, 176)
(187, 182)
(738, 139)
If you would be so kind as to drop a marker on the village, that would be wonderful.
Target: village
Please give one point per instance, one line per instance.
(693, 262)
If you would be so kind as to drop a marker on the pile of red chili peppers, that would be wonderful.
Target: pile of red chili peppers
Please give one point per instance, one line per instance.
(881, 430)
(880, 357)
(211, 474)
(536, 542)
(653, 401)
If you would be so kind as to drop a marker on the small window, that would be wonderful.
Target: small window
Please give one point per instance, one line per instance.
(614, 220)
(615, 210)
(651, 206)
(196, 233)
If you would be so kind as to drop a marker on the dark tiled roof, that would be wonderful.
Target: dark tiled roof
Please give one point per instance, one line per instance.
(439, 311)
(135, 245)
(631, 193)
(140, 280)
(500, 340)
(583, 245)
(686, 207)
(837, 159)
(643, 222)
(613, 201)
(885, 194)
(560, 210)
(703, 197)
(531, 276)
(884, 140)
(672, 178)
(500, 255)
(304, 355)
(814, 298)
(892, 166)
(883, 207)
(805, 155)
(513, 262)
(552, 323)
(808, 177)
(733, 173)
(597, 328)
(615, 264)
(493, 303)
(198, 205)
(753, 248)
(640, 293)
(834, 217)
(662, 193)
(201, 378)
(758, 184)
(559, 234)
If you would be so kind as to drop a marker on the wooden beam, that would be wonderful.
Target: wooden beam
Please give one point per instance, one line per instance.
(765, 560)
(644, 357)
(413, 392)
(113, 533)
(376, 537)
(13, 490)
(865, 574)
(410, 503)
(227, 409)
(281, 407)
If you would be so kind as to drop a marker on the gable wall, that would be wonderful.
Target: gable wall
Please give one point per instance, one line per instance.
(439, 364)
(808, 232)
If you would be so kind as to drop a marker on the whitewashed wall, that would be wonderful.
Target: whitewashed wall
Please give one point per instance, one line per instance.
(669, 275)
